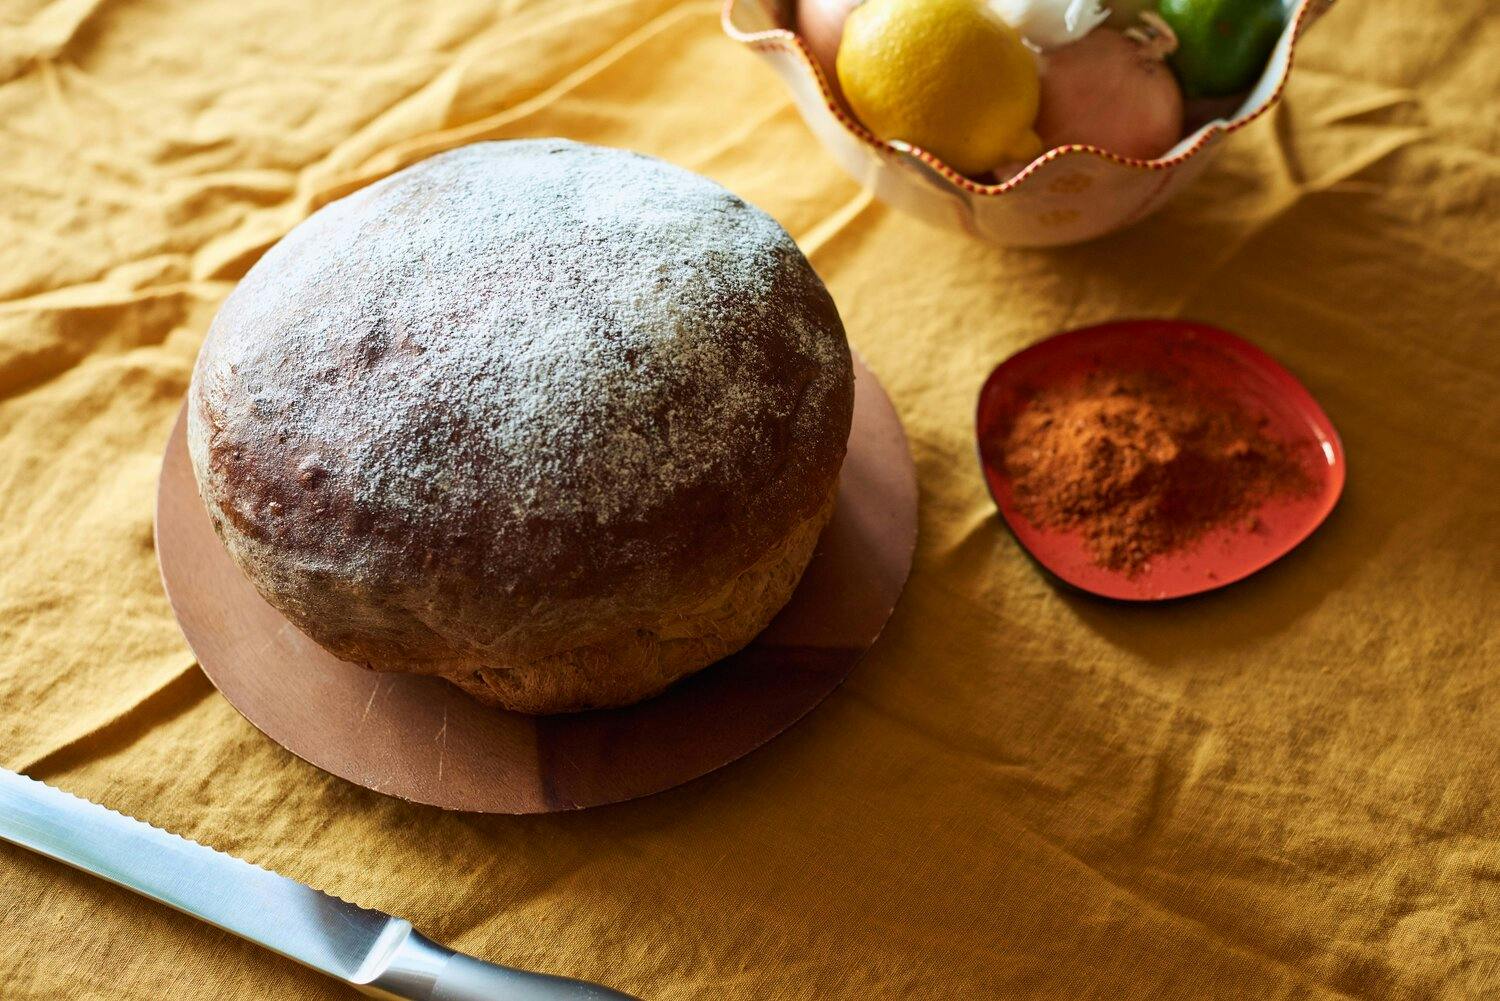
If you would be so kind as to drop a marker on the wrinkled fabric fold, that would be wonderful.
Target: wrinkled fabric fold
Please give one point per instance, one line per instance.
(1282, 790)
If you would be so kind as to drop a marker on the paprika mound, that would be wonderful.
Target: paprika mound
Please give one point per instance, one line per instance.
(1141, 466)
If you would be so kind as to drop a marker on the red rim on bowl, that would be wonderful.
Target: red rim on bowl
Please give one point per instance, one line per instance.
(1208, 358)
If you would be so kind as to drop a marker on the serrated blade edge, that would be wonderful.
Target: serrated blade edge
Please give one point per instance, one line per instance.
(334, 936)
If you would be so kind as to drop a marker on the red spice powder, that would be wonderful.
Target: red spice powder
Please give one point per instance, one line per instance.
(1141, 466)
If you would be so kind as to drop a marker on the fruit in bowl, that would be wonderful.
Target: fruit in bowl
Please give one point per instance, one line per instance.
(1222, 43)
(945, 75)
(987, 85)
(1086, 184)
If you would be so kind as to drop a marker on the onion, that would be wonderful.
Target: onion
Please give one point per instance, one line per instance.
(1125, 13)
(1050, 24)
(1113, 90)
(821, 25)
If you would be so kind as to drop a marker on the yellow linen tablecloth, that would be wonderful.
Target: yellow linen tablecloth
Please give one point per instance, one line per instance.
(1288, 789)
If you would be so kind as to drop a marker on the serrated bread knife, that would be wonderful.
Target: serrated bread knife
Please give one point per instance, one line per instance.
(382, 956)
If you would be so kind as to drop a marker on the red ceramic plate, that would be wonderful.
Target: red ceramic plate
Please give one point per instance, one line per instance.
(1210, 359)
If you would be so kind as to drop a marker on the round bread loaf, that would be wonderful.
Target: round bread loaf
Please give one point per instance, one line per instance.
(559, 423)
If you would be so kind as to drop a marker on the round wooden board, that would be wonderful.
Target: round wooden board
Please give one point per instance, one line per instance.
(422, 739)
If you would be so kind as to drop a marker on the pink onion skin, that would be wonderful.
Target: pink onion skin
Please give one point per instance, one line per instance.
(821, 25)
(1109, 91)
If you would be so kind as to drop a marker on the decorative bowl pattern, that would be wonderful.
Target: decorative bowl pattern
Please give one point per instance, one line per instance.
(1066, 195)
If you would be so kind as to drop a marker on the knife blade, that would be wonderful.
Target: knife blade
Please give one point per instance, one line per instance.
(381, 955)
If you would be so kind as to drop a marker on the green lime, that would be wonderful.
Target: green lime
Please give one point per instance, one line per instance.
(1222, 45)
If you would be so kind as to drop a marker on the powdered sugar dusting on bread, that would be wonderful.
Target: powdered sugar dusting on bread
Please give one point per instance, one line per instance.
(537, 325)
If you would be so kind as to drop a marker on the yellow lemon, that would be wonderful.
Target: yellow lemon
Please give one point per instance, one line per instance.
(945, 75)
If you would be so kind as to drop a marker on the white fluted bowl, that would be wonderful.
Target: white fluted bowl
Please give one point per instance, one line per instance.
(1067, 195)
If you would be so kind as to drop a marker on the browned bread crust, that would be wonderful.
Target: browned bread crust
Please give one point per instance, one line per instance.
(557, 422)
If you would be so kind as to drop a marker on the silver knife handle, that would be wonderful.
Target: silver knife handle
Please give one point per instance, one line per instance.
(421, 970)
(468, 979)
